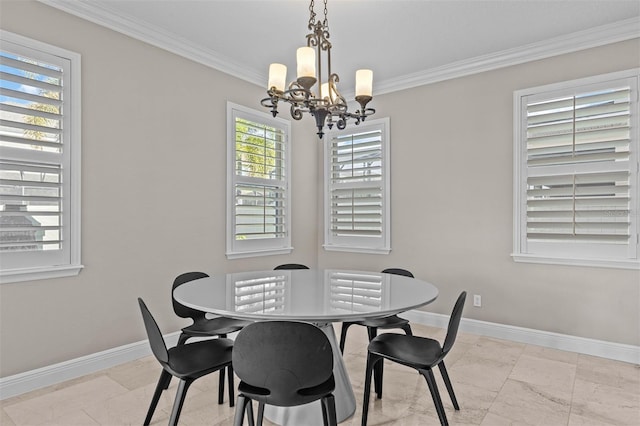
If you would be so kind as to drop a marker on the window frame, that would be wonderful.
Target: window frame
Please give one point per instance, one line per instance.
(382, 244)
(581, 256)
(236, 249)
(27, 266)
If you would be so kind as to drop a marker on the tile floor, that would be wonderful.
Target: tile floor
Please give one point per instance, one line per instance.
(497, 383)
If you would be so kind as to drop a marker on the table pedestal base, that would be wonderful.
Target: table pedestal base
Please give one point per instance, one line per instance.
(311, 414)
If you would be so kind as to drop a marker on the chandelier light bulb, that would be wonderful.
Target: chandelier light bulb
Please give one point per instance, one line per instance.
(306, 60)
(364, 83)
(277, 77)
(324, 91)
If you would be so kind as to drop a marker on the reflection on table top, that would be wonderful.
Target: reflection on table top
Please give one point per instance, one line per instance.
(321, 295)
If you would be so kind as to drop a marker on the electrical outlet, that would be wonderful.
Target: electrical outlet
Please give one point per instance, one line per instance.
(477, 300)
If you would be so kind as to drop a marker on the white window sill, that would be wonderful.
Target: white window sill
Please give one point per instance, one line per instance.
(598, 263)
(256, 253)
(32, 274)
(351, 249)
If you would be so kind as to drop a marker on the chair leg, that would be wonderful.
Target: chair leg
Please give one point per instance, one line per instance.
(329, 410)
(244, 404)
(221, 386)
(260, 413)
(231, 387)
(447, 382)
(433, 388)
(371, 361)
(163, 383)
(343, 335)
(183, 386)
(379, 369)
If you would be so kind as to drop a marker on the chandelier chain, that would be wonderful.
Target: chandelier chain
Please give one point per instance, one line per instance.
(312, 15)
(326, 20)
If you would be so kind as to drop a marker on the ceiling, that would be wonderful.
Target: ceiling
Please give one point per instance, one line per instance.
(404, 42)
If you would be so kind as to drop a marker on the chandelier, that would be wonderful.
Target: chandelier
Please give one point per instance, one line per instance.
(327, 105)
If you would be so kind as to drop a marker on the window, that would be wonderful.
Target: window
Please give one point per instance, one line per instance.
(576, 172)
(357, 188)
(258, 194)
(39, 160)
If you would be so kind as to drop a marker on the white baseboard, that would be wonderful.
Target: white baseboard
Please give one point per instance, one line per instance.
(599, 348)
(46, 376)
(52, 374)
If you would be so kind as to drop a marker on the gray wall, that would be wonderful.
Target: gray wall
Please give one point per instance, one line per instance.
(153, 198)
(452, 196)
(153, 192)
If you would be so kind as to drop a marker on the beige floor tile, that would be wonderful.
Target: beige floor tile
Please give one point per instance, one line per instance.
(605, 403)
(616, 374)
(45, 409)
(525, 403)
(553, 376)
(496, 383)
(494, 349)
(482, 372)
(552, 354)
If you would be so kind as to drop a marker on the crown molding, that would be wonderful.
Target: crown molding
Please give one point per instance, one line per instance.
(155, 36)
(594, 37)
(599, 36)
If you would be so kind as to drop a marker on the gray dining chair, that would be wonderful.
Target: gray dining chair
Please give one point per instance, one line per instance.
(290, 266)
(203, 326)
(420, 353)
(373, 324)
(186, 362)
(284, 364)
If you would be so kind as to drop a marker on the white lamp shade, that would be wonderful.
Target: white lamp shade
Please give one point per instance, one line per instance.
(277, 77)
(306, 59)
(324, 91)
(364, 83)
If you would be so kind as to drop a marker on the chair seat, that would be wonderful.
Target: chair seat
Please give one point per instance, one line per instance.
(392, 321)
(197, 359)
(412, 351)
(215, 326)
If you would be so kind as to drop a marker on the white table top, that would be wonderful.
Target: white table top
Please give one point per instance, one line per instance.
(314, 295)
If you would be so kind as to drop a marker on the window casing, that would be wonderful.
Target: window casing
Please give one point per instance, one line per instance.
(576, 193)
(258, 186)
(39, 160)
(357, 190)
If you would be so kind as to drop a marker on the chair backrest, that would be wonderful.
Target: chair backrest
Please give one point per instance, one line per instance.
(156, 341)
(179, 308)
(282, 358)
(398, 271)
(454, 323)
(291, 266)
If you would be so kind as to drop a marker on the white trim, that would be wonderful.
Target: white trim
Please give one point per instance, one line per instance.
(50, 375)
(564, 342)
(595, 263)
(71, 265)
(31, 274)
(612, 33)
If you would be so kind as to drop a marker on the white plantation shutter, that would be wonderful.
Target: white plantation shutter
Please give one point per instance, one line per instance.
(39, 170)
(356, 188)
(579, 171)
(259, 196)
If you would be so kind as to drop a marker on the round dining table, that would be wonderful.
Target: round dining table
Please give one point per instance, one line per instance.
(318, 296)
